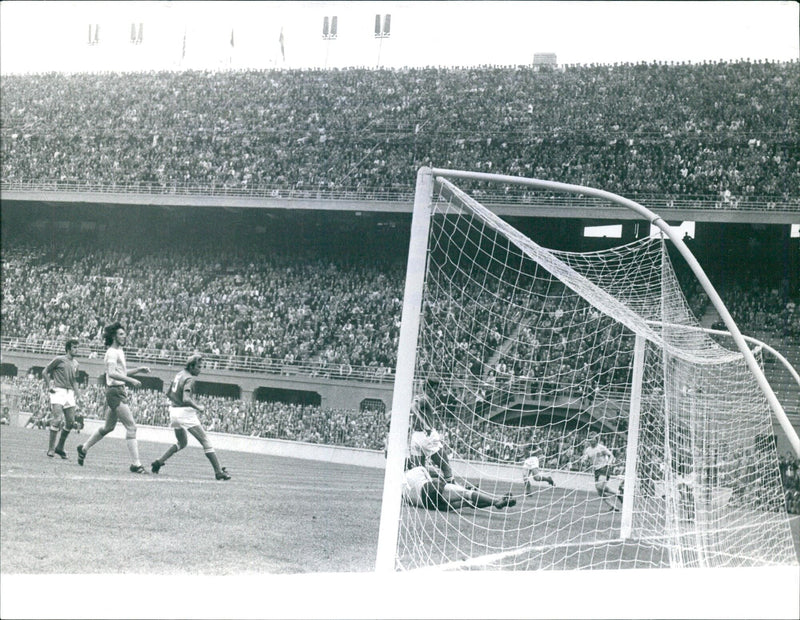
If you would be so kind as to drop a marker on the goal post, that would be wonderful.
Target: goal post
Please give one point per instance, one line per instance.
(522, 351)
(404, 374)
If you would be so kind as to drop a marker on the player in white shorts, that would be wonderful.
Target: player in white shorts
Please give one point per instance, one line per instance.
(422, 489)
(183, 412)
(117, 408)
(61, 383)
(533, 473)
(601, 459)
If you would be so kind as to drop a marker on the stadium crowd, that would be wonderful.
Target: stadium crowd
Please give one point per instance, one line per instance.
(287, 308)
(717, 132)
(790, 476)
(275, 420)
(332, 314)
(767, 309)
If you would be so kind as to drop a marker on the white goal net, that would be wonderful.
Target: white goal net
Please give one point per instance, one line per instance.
(514, 350)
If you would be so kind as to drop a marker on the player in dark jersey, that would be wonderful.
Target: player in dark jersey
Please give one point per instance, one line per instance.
(183, 412)
(61, 383)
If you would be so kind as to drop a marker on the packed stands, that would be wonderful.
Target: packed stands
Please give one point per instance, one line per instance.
(719, 134)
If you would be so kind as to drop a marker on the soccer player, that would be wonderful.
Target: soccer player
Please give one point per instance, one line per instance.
(183, 412)
(425, 445)
(61, 383)
(601, 459)
(423, 487)
(117, 376)
(533, 473)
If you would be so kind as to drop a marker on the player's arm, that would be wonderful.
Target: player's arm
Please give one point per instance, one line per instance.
(188, 399)
(111, 373)
(47, 375)
(141, 370)
(75, 386)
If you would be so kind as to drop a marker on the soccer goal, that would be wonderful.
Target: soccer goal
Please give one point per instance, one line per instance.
(520, 350)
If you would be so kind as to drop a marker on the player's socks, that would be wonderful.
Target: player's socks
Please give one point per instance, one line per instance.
(62, 440)
(60, 446)
(212, 456)
(93, 439)
(156, 465)
(133, 450)
(52, 444)
(170, 451)
(81, 454)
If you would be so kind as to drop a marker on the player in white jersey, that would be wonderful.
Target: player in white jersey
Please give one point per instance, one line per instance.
(601, 459)
(532, 472)
(423, 487)
(61, 384)
(117, 377)
(425, 445)
(183, 417)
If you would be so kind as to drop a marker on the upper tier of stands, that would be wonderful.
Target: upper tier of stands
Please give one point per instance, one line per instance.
(722, 133)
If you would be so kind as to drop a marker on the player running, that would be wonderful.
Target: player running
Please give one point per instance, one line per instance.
(533, 473)
(601, 459)
(117, 376)
(61, 383)
(183, 417)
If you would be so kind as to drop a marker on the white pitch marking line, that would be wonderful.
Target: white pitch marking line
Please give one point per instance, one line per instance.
(131, 478)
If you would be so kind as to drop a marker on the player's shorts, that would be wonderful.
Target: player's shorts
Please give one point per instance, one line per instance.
(116, 396)
(63, 397)
(183, 417)
(432, 497)
(602, 471)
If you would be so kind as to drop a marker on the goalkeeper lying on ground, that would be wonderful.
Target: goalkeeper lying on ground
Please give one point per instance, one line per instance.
(424, 488)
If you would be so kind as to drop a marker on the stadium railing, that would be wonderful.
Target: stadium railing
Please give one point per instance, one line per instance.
(237, 363)
(704, 202)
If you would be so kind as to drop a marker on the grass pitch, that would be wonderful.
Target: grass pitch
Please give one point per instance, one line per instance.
(277, 515)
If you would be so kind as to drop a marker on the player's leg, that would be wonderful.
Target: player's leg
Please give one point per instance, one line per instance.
(69, 422)
(200, 434)
(441, 461)
(181, 437)
(547, 479)
(56, 421)
(458, 495)
(126, 417)
(108, 426)
(604, 493)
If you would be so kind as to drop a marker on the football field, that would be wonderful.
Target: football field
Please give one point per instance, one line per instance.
(277, 515)
(181, 544)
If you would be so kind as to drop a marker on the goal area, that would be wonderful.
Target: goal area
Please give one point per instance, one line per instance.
(509, 350)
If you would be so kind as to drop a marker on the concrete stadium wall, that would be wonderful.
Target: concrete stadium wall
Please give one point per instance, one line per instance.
(335, 394)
